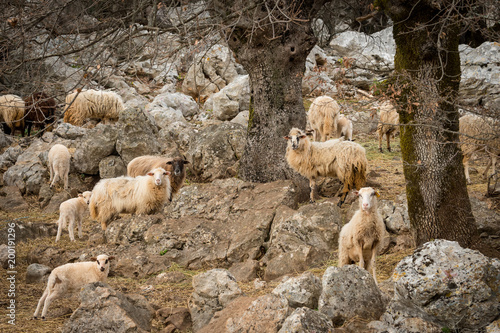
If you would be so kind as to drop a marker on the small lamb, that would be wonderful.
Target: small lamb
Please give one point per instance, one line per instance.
(72, 210)
(72, 277)
(59, 164)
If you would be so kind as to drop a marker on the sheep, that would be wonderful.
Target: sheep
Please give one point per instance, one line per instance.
(345, 160)
(12, 113)
(322, 117)
(361, 238)
(479, 133)
(140, 166)
(40, 110)
(105, 105)
(344, 127)
(72, 277)
(387, 124)
(72, 210)
(139, 195)
(59, 163)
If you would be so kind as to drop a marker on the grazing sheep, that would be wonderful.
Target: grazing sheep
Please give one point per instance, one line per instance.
(59, 162)
(80, 106)
(345, 160)
(12, 113)
(344, 127)
(322, 117)
(140, 166)
(360, 240)
(71, 278)
(39, 110)
(72, 210)
(139, 195)
(387, 124)
(479, 133)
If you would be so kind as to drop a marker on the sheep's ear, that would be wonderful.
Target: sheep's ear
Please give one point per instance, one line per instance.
(303, 136)
(166, 173)
(111, 258)
(310, 132)
(185, 162)
(80, 195)
(377, 194)
(150, 174)
(357, 193)
(93, 259)
(286, 137)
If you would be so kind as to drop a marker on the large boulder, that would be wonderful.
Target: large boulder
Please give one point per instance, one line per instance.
(97, 143)
(301, 291)
(172, 103)
(11, 199)
(304, 320)
(9, 157)
(231, 100)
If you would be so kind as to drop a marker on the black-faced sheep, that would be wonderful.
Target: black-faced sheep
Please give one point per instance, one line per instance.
(71, 278)
(479, 134)
(139, 195)
(71, 211)
(12, 114)
(322, 117)
(39, 111)
(345, 160)
(102, 105)
(141, 165)
(387, 124)
(344, 127)
(360, 240)
(59, 164)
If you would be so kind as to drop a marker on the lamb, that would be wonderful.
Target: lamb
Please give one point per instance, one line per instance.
(140, 166)
(72, 210)
(360, 240)
(344, 127)
(345, 160)
(388, 124)
(105, 105)
(139, 195)
(40, 110)
(12, 113)
(322, 117)
(479, 133)
(59, 163)
(72, 277)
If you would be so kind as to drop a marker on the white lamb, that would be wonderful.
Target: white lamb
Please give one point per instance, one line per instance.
(80, 106)
(72, 210)
(59, 163)
(388, 124)
(139, 195)
(322, 117)
(345, 160)
(344, 127)
(360, 240)
(72, 277)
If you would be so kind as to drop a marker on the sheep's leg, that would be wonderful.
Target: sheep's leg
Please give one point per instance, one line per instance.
(66, 180)
(53, 295)
(372, 262)
(80, 233)
(40, 302)
(343, 255)
(71, 228)
(59, 228)
(388, 136)
(492, 161)
(312, 186)
(380, 142)
(465, 162)
(359, 247)
(51, 171)
(55, 179)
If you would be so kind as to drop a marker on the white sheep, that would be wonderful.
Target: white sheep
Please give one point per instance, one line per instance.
(80, 106)
(72, 277)
(72, 211)
(344, 127)
(139, 195)
(322, 117)
(360, 240)
(387, 124)
(479, 133)
(141, 165)
(59, 164)
(12, 113)
(345, 160)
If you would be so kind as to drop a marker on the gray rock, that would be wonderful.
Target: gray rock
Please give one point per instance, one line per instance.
(98, 143)
(28, 174)
(56, 200)
(9, 157)
(30, 230)
(395, 217)
(241, 118)
(175, 102)
(111, 167)
(178, 135)
(494, 327)
(68, 131)
(11, 199)
(4, 255)
(5, 141)
(305, 320)
(245, 271)
(486, 219)
(45, 195)
(230, 100)
(301, 291)
(37, 273)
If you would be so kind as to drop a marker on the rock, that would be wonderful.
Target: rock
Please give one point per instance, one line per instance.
(9, 157)
(98, 143)
(175, 319)
(30, 230)
(395, 217)
(232, 311)
(37, 273)
(5, 141)
(11, 199)
(135, 264)
(104, 309)
(301, 291)
(305, 320)
(486, 219)
(4, 256)
(170, 277)
(68, 131)
(494, 327)
(45, 195)
(230, 100)
(173, 103)
(349, 291)
(242, 118)
(177, 135)
(245, 271)
(130, 229)
(55, 202)
(28, 174)
(213, 291)
(111, 167)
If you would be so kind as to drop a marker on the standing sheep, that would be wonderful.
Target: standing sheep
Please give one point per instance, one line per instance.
(344, 127)
(387, 124)
(345, 160)
(39, 111)
(80, 106)
(322, 117)
(72, 210)
(139, 195)
(71, 278)
(12, 113)
(479, 133)
(59, 163)
(360, 240)
(141, 165)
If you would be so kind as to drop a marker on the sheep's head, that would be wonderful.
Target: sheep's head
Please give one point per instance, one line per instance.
(159, 176)
(102, 261)
(367, 198)
(295, 137)
(86, 196)
(177, 165)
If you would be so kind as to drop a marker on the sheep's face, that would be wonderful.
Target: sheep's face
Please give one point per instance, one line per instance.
(367, 198)
(102, 261)
(86, 196)
(294, 138)
(177, 166)
(159, 175)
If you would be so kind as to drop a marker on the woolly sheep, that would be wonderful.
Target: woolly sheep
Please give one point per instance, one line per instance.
(12, 113)
(72, 210)
(139, 195)
(105, 105)
(59, 163)
(479, 133)
(360, 240)
(344, 127)
(140, 166)
(72, 277)
(322, 117)
(40, 110)
(345, 160)
(387, 125)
